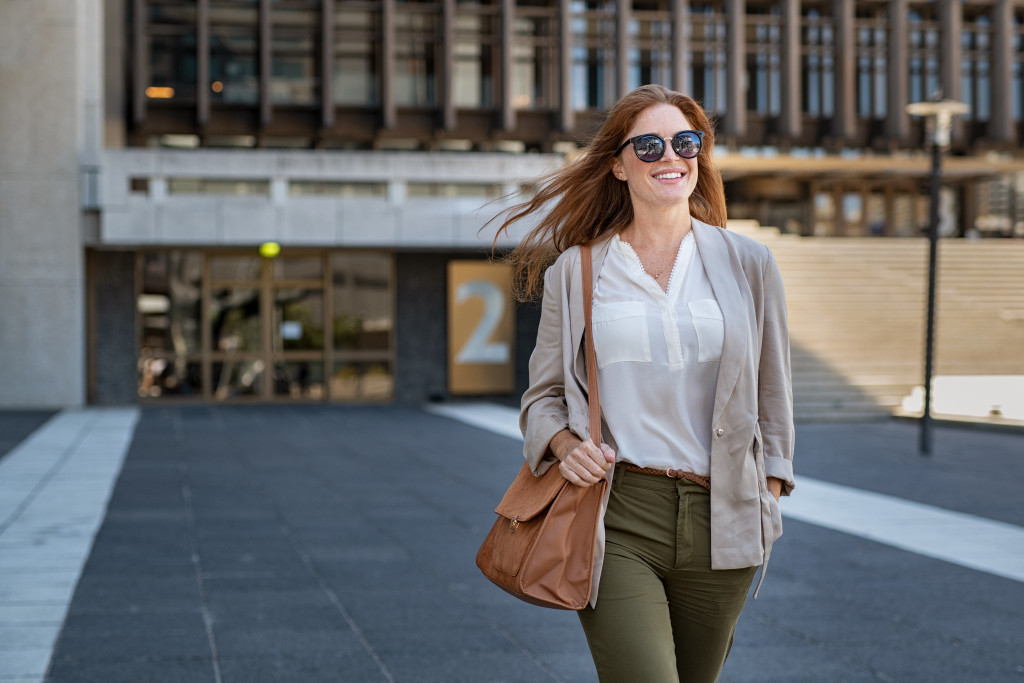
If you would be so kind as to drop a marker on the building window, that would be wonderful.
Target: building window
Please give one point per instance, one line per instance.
(650, 38)
(976, 76)
(709, 55)
(535, 55)
(871, 36)
(356, 57)
(417, 41)
(295, 48)
(593, 54)
(818, 64)
(924, 54)
(476, 53)
(764, 56)
(234, 62)
(171, 31)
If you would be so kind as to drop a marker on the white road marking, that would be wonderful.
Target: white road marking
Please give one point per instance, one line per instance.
(54, 489)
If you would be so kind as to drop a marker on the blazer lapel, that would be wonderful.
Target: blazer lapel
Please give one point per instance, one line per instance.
(718, 263)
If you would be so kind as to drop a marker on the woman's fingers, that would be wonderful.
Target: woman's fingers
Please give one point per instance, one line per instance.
(586, 464)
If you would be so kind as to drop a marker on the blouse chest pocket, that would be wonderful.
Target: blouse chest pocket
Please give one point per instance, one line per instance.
(620, 333)
(710, 327)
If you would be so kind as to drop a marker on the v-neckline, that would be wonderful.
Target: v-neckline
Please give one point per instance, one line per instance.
(648, 280)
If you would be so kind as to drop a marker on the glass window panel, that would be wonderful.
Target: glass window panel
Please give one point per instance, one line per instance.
(362, 301)
(238, 378)
(482, 190)
(294, 47)
(416, 33)
(235, 268)
(362, 381)
(234, 62)
(299, 379)
(169, 302)
(219, 186)
(298, 268)
(161, 376)
(234, 317)
(298, 320)
(172, 67)
(341, 189)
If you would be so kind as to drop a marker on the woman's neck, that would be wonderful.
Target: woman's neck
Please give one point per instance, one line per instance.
(657, 229)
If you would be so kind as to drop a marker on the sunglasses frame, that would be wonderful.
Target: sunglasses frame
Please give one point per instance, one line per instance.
(665, 145)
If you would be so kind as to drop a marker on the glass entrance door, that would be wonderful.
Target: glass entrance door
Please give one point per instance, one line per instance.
(313, 325)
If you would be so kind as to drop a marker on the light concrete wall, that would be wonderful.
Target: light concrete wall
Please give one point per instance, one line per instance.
(41, 263)
(392, 220)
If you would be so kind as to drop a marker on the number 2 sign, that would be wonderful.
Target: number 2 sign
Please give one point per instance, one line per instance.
(481, 328)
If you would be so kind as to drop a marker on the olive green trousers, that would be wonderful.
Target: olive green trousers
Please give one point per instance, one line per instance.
(663, 615)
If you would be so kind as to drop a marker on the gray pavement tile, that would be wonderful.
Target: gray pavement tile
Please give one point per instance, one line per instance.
(132, 671)
(321, 667)
(17, 425)
(112, 637)
(492, 667)
(282, 641)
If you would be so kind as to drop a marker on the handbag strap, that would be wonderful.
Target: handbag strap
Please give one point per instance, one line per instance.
(594, 398)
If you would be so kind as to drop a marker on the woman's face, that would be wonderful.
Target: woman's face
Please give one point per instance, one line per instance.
(669, 180)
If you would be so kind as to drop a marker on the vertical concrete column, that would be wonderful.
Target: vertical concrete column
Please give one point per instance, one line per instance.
(681, 58)
(327, 63)
(736, 68)
(202, 62)
(951, 25)
(1000, 127)
(567, 117)
(446, 77)
(623, 9)
(46, 51)
(844, 122)
(897, 122)
(507, 39)
(389, 115)
(266, 65)
(140, 62)
(791, 118)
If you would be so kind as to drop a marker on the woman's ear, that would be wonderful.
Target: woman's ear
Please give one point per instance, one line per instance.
(617, 169)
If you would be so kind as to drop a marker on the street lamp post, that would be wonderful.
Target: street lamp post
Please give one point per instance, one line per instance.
(938, 114)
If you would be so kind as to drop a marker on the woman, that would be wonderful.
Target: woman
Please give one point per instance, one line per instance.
(693, 369)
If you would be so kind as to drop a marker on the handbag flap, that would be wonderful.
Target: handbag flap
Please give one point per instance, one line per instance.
(529, 495)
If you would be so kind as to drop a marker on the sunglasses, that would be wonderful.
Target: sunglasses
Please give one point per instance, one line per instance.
(650, 147)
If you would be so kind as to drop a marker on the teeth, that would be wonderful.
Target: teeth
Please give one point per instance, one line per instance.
(668, 176)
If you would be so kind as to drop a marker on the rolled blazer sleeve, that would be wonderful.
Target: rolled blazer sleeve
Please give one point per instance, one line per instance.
(775, 385)
(543, 411)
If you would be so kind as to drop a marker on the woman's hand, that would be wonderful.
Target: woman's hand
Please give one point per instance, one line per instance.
(581, 462)
(774, 487)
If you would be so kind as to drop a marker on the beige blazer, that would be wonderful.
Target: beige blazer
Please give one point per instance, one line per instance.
(752, 429)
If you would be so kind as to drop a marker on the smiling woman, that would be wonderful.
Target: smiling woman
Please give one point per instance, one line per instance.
(692, 351)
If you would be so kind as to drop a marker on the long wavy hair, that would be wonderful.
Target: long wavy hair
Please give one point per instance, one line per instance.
(588, 203)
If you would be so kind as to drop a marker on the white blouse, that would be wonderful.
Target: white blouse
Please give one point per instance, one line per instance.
(658, 356)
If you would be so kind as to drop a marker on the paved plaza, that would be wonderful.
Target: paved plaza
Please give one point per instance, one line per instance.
(243, 544)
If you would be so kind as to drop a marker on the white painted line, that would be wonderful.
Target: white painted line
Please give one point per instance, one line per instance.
(54, 490)
(966, 540)
(498, 419)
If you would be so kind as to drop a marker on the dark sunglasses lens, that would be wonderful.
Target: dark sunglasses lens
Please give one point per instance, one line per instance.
(649, 147)
(686, 144)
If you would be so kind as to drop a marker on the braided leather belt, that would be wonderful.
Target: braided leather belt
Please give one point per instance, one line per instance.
(671, 473)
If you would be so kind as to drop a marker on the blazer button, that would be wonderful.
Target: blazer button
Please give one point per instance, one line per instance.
(719, 432)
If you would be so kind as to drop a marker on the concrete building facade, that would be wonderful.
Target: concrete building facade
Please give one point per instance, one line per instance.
(149, 147)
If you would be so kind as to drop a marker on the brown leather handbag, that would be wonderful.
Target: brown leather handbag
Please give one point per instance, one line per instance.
(541, 548)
